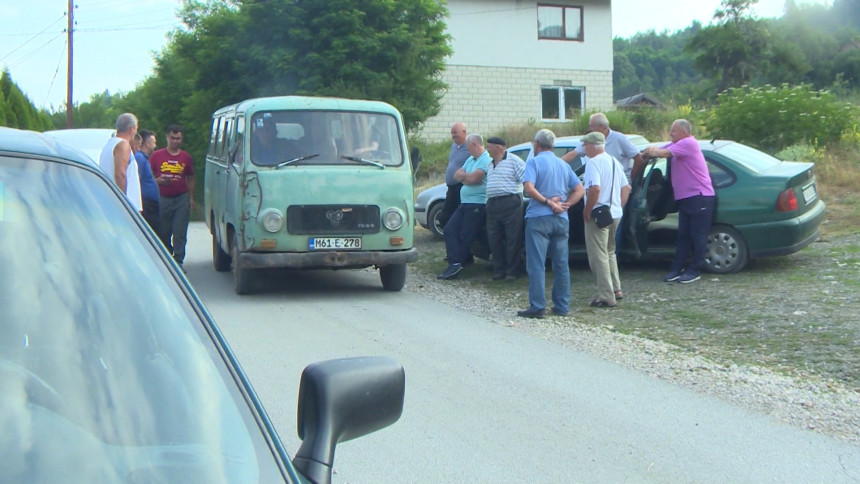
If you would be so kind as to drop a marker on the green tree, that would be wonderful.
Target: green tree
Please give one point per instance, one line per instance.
(732, 49)
(17, 110)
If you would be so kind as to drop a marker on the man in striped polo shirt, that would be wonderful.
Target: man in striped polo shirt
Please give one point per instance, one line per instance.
(505, 209)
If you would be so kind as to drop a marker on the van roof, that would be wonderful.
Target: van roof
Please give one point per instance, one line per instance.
(304, 103)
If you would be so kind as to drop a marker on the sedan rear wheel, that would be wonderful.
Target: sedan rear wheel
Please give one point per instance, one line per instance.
(726, 252)
(433, 221)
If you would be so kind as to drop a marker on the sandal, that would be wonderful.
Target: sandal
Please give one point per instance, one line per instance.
(619, 295)
(599, 303)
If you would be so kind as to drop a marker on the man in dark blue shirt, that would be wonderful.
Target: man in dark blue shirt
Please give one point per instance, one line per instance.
(148, 186)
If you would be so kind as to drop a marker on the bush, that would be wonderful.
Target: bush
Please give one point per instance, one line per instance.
(773, 118)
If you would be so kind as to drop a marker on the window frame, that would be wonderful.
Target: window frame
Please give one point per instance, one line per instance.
(564, 23)
(561, 90)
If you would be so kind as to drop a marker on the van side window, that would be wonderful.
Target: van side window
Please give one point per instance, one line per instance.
(235, 143)
(223, 135)
(213, 138)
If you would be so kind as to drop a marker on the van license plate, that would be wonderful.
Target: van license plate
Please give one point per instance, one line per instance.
(334, 243)
(809, 194)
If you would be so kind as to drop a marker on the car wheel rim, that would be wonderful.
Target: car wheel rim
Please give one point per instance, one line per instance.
(723, 250)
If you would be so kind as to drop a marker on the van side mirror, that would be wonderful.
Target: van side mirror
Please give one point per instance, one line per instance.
(416, 158)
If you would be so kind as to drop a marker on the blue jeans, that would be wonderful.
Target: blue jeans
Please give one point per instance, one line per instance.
(547, 237)
(694, 223)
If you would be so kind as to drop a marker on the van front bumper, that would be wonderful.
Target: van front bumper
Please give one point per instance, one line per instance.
(325, 259)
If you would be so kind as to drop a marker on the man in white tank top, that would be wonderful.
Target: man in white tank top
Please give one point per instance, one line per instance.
(117, 160)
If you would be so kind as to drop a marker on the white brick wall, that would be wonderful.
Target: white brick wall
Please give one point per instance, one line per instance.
(490, 98)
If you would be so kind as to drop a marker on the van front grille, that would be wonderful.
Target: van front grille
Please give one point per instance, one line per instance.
(333, 219)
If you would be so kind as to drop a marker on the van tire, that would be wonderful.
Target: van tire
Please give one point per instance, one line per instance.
(220, 259)
(241, 276)
(393, 276)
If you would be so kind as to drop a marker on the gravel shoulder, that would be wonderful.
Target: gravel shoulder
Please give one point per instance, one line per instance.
(780, 338)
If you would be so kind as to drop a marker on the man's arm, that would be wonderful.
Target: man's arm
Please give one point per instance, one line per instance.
(638, 164)
(475, 177)
(655, 152)
(121, 153)
(189, 181)
(625, 194)
(593, 194)
(574, 196)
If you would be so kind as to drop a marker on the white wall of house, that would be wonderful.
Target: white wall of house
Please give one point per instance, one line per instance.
(499, 65)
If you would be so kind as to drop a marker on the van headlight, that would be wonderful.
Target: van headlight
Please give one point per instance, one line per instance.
(272, 220)
(393, 219)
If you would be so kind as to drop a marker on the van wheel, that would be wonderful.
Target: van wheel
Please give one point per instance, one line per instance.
(220, 259)
(393, 276)
(726, 252)
(241, 276)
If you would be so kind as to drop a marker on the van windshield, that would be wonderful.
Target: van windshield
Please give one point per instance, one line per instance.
(324, 138)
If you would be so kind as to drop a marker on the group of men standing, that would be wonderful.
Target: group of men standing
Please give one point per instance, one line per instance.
(158, 183)
(485, 191)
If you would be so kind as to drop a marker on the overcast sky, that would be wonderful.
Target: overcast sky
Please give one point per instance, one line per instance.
(114, 39)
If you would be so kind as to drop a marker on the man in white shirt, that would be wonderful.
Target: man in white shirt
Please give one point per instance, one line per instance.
(605, 185)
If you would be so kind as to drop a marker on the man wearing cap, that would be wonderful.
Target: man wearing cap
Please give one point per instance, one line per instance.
(617, 146)
(456, 157)
(605, 185)
(553, 188)
(504, 209)
(695, 195)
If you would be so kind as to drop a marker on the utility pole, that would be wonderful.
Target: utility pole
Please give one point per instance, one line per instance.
(71, 31)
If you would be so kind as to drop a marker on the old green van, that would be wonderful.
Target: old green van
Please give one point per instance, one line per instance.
(309, 183)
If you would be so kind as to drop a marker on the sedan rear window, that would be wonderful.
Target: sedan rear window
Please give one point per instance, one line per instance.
(751, 158)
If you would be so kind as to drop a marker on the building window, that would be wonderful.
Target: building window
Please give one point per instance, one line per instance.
(559, 22)
(561, 103)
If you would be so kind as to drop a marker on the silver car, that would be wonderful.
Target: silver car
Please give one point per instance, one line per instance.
(429, 203)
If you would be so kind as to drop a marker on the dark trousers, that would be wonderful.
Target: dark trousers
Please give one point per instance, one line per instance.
(461, 230)
(505, 233)
(175, 213)
(150, 214)
(452, 201)
(694, 223)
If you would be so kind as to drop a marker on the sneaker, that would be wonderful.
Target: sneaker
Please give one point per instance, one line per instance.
(673, 276)
(531, 313)
(689, 277)
(558, 312)
(451, 272)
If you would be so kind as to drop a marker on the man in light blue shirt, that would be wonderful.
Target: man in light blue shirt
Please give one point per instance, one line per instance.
(553, 188)
(469, 217)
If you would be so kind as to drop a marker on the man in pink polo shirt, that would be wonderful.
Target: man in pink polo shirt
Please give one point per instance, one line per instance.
(695, 196)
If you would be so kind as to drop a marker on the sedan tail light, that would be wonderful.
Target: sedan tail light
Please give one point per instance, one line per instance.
(787, 201)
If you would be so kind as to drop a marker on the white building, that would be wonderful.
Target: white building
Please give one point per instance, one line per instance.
(521, 60)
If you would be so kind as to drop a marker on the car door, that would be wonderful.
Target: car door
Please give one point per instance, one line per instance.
(651, 199)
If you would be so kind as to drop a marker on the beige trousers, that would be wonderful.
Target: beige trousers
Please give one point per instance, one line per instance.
(600, 244)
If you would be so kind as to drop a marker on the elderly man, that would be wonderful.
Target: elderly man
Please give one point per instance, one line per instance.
(695, 196)
(118, 162)
(617, 146)
(504, 209)
(456, 157)
(553, 188)
(605, 186)
(468, 218)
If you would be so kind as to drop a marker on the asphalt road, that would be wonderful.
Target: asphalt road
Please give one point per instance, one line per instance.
(487, 403)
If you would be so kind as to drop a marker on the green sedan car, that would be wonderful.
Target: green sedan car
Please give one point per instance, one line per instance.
(765, 207)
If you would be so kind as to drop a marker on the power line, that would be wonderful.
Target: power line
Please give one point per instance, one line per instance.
(37, 49)
(59, 62)
(32, 38)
